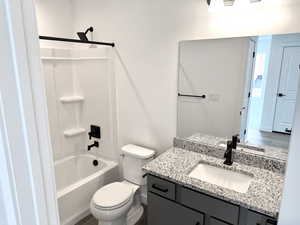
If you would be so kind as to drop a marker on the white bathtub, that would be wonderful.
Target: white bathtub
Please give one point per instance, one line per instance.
(77, 179)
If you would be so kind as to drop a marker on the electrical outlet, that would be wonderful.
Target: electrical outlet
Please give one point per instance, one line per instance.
(214, 97)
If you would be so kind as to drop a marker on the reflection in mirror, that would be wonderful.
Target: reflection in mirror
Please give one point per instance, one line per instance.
(246, 86)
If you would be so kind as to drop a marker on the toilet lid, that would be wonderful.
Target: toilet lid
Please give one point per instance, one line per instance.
(112, 195)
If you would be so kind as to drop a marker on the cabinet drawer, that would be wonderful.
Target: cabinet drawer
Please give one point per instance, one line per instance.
(214, 207)
(161, 187)
(165, 212)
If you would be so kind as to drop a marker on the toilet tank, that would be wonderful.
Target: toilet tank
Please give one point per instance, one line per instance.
(134, 158)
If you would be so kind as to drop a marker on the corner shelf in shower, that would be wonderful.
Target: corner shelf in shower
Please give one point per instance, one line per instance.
(74, 132)
(70, 99)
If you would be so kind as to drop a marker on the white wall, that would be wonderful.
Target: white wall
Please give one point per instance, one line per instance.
(289, 212)
(55, 18)
(147, 35)
(216, 68)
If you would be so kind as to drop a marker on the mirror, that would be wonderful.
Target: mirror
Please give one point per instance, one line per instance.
(245, 85)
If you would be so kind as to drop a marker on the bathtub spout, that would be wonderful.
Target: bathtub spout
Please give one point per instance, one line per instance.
(96, 144)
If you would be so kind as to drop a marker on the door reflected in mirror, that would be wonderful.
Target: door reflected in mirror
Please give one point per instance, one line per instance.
(246, 86)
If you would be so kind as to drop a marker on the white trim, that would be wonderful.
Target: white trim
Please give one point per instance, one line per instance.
(248, 87)
(24, 124)
(40, 108)
(73, 59)
(7, 185)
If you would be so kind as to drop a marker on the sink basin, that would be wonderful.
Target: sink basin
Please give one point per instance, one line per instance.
(222, 177)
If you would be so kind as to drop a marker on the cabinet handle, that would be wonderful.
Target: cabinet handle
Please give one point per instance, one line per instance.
(157, 187)
(271, 222)
(288, 130)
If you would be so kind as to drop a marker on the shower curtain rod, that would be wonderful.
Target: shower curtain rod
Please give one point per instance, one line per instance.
(75, 40)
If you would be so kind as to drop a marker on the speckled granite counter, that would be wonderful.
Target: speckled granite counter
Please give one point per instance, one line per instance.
(263, 195)
(270, 152)
(273, 159)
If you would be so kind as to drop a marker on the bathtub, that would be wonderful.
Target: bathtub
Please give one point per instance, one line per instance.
(77, 179)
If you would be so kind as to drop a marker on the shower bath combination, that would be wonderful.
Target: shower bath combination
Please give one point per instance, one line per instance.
(74, 73)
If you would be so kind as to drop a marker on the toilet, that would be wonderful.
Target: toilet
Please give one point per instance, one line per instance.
(119, 203)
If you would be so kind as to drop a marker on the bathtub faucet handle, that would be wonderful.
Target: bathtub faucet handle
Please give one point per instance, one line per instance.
(95, 132)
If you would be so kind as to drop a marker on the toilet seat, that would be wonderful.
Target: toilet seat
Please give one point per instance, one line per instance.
(112, 196)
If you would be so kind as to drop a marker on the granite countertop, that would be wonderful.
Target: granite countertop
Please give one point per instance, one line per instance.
(269, 151)
(263, 195)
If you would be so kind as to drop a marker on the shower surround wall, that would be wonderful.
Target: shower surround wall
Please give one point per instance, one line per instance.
(80, 92)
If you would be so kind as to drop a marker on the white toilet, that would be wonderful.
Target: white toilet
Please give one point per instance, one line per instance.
(119, 203)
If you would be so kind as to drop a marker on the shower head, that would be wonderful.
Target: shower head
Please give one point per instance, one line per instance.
(82, 35)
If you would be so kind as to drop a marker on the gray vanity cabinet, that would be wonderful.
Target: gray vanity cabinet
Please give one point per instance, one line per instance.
(172, 204)
(165, 212)
(211, 207)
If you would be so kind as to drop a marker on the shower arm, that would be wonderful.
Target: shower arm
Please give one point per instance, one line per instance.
(91, 29)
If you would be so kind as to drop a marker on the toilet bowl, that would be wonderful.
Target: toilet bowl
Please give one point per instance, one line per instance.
(111, 204)
(119, 203)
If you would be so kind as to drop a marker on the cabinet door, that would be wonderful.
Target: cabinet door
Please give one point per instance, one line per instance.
(224, 211)
(165, 212)
(259, 219)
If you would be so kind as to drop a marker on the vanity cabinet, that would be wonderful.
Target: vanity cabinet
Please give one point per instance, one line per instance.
(172, 204)
(253, 218)
(213, 207)
(165, 212)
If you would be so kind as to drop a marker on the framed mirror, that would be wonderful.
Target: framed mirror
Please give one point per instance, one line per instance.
(244, 85)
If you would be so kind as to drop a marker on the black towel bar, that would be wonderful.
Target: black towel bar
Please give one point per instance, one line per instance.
(192, 96)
